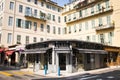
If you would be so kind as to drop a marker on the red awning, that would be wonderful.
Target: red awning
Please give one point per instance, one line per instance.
(1, 50)
(9, 52)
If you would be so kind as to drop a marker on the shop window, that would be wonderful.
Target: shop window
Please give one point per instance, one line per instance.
(88, 58)
(50, 58)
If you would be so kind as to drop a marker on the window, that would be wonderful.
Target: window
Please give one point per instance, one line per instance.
(35, 12)
(80, 27)
(59, 30)
(69, 17)
(28, 24)
(59, 10)
(35, 26)
(86, 25)
(108, 19)
(54, 8)
(0, 37)
(28, 11)
(19, 23)
(1, 21)
(48, 28)
(86, 12)
(11, 5)
(34, 39)
(53, 17)
(100, 22)
(93, 23)
(27, 39)
(88, 57)
(42, 27)
(80, 13)
(20, 8)
(50, 58)
(107, 4)
(93, 38)
(41, 39)
(69, 29)
(65, 19)
(18, 39)
(10, 21)
(54, 30)
(35, 1)
(102, 38)
(9, 38)
(49, 16)
(88, 38)
(75, 28)
(65, 30)
(59, 19)
(92, 10)
(42, 4)
(110, 35)
(28, 0)
(98, 7)
(74, 16)
(48, 6)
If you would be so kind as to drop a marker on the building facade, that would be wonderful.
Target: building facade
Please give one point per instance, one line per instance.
(69, 55)
(93, 20)
(27, 22)
(32, 21)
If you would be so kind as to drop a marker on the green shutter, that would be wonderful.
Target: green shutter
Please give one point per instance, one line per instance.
(16, 22)
(23, 24)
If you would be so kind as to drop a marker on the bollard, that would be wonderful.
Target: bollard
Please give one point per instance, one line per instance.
(45, 70)
(58, 71)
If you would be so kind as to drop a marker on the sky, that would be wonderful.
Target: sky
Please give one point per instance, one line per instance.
(61, 2)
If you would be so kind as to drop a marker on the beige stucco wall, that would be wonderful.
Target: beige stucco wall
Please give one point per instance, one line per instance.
(80, 35)
(28, 32)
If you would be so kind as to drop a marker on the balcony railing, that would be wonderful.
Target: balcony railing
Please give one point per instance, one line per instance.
(100, 11)
(86, 3)
(30, 15)
(103, 27)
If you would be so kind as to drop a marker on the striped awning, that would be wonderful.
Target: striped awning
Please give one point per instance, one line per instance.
(35, 51)
(91, 51)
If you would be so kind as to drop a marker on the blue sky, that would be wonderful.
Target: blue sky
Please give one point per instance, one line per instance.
(61, 2)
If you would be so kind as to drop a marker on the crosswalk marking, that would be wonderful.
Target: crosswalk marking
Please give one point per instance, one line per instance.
(86, 78)
(25, 72)
(21, 72)
(17, 73)
(5, 73)
(11, 73)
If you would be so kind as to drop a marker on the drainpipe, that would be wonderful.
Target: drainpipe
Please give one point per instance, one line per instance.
(14, 23)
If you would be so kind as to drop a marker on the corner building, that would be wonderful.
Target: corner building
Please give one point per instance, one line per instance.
(44, 27)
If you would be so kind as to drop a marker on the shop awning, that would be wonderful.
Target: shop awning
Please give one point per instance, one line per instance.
(63, 50)
(9, 52)
(1, 50)
(35, 51)
(20, 48)
(91, 51)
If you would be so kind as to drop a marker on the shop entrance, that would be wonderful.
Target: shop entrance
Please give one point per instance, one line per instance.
(62, 61)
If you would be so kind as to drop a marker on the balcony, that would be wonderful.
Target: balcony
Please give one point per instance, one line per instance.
(104, 27)
(103, 10)
(86, 3)
(39, 17)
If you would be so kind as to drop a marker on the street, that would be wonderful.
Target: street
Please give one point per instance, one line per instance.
(15, 74)
(105, 75)
(7, 73)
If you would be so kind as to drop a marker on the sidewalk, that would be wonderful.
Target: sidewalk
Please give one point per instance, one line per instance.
(65, 74)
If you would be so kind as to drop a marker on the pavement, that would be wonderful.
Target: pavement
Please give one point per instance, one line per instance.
(65, 74)
(12, 73)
